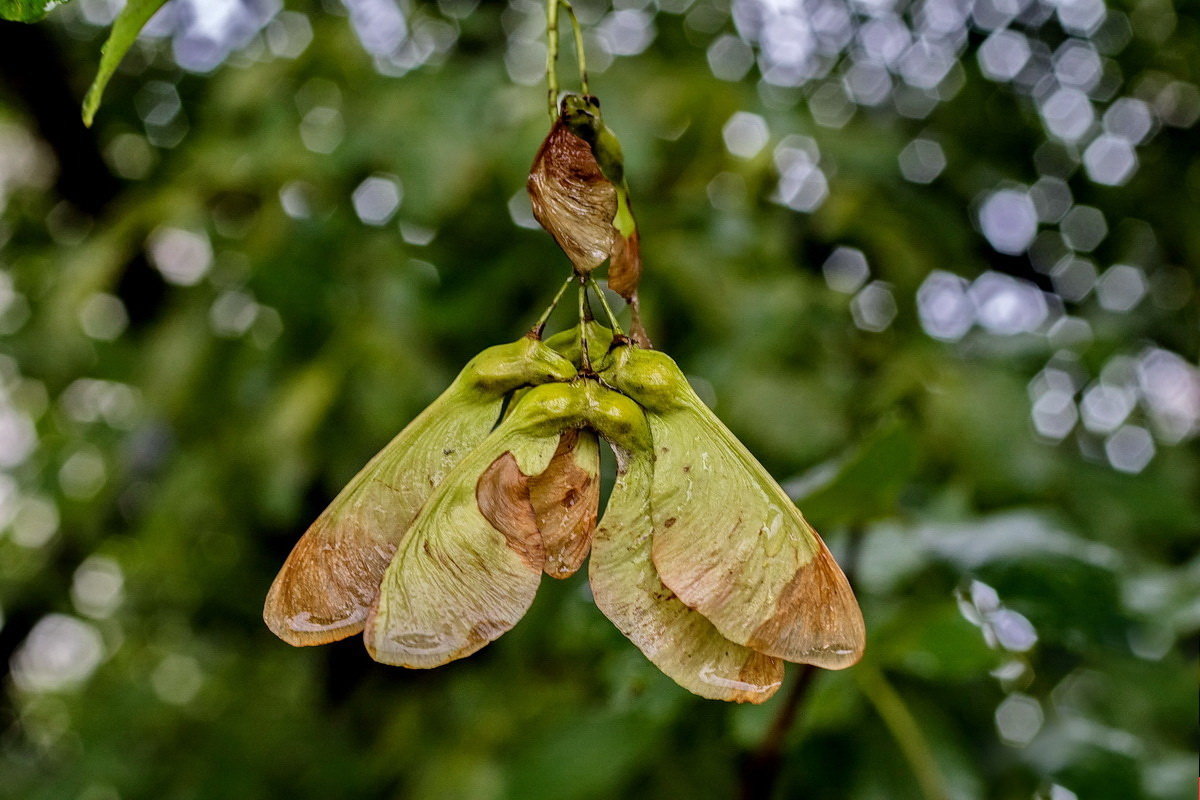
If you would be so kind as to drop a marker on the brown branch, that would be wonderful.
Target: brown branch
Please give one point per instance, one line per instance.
(760, 770)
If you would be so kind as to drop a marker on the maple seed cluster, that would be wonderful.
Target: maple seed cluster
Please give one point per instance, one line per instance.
(438, 545)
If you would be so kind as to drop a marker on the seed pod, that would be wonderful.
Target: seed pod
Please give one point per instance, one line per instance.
(627, 589)
(326, 586)
(470, 566)
(727, 540)
(566, 496)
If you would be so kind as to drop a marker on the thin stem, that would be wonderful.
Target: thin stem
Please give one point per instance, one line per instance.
(585, 316)
(540, 325)
(760, 771)
(612, 318)
(903, 726)
(552, 7)
(552, 57)
(580, 55)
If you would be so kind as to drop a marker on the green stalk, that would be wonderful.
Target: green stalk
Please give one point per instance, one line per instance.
(612, 318)
(904, 729)
(552, 7)
(580, 55)
(540, 325)
(552, 57)
(585, 316)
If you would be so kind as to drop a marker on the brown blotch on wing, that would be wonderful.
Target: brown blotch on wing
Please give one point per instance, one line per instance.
(502, 493)
(817, 620)
(572, 199)
(566, 501)
(326, 586)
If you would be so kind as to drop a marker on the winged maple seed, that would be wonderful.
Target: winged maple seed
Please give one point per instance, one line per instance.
(325, 587)
(579, 194)
(438, 546)
(700, 559)
(727, 540)
(470, 565)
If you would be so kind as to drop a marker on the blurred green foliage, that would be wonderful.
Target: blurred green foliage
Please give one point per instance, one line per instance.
(1032, 611)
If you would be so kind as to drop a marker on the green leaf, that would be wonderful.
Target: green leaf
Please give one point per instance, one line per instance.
(26, 10)
(125, 30)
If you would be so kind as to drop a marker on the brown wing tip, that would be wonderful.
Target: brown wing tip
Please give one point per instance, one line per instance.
(817, 619)
(762, 676)
(301, 626)
(292, 629)
(323, 592)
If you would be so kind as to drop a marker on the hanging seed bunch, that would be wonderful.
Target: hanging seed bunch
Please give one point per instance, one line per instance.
(437, 546)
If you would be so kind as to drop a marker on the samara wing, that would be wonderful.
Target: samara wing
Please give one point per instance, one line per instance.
(677, 639)
(727, 539)
(472, 561)
(326, 586)
(566, 500)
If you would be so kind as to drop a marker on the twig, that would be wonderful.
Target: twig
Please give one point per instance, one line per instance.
(540, 326)
(612, 318)
(760, 770)
(903, 726)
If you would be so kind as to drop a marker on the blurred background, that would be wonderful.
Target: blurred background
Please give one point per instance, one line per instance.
(935, 262)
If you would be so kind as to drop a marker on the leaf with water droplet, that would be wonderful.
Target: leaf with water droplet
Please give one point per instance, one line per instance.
(26, 10)
(124, 33)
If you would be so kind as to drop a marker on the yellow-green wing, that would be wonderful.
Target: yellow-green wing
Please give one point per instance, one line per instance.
(677, 639)
(472, 561)
(327, 584)
(727, 539)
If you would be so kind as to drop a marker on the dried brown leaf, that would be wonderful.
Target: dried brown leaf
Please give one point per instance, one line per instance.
(625, 271)
(572, 199)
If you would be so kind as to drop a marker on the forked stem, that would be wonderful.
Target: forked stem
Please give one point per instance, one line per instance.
(552, 57)
(552, 7)
(580, 53)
